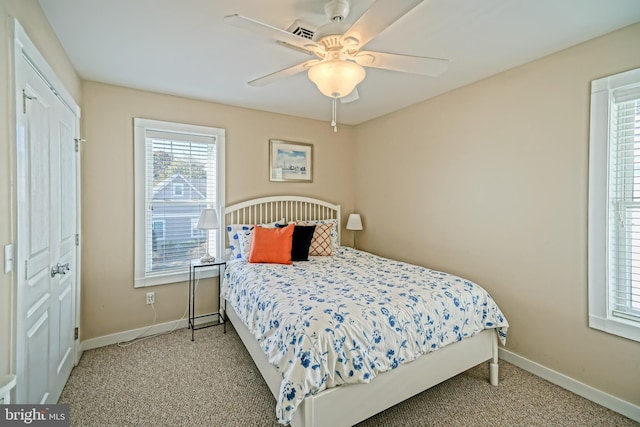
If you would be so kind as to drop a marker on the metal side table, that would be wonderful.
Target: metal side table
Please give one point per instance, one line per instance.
(193, 279)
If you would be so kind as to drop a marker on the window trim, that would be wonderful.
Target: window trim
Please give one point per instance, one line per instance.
(141, 126)
(600, 316)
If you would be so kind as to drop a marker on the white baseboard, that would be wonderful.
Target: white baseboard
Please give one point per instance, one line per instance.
(135, 333)
(601, 398)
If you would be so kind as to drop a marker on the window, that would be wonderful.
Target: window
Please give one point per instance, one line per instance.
(179, 170)
(614, 205)
(195, 231)
(158, 229)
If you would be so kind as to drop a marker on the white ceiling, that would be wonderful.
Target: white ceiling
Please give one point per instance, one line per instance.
(183, 47)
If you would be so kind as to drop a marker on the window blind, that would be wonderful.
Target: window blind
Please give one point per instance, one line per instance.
(624, 204)
(180, 181)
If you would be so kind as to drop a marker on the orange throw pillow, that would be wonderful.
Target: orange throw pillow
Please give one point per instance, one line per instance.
(272, 245)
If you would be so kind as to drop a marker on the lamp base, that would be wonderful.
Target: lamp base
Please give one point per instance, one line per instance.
(207, 259)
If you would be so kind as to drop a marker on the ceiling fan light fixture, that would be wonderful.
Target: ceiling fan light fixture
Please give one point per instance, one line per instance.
(336, 78)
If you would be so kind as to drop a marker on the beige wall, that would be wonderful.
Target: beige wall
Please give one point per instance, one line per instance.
(37, 27)
(490, 182)
(110, 304)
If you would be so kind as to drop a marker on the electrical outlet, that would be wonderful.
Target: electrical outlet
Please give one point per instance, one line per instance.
(151, 297)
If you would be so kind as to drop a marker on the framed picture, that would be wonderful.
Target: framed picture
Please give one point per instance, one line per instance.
(290, 161)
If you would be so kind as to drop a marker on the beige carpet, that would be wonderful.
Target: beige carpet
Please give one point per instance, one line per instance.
(171, 381)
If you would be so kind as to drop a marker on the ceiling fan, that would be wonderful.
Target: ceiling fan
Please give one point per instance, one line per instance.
(338, 66)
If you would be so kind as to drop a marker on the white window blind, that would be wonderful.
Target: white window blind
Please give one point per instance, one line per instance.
(614, 205)
(179, 173)
(624, 203)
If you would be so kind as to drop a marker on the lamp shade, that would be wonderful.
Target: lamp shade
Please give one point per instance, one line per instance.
(354, 222)
(208, 219)
(336, 78)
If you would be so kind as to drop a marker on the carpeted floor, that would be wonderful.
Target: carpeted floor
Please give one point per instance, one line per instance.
(171, 381)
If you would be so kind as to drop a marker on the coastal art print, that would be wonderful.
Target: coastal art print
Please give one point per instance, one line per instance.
(290, 161)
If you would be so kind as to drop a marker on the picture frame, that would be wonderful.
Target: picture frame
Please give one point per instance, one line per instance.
(290, 161)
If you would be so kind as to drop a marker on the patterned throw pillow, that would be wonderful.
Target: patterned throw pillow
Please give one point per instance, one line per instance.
(321, 241)
(245, 237)
(234, 239)
(319, 244)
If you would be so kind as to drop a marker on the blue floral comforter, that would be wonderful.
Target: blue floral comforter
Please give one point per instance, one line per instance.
(346, 318)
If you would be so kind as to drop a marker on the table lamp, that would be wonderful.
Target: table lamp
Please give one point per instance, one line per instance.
(354, 223)
(208, 221)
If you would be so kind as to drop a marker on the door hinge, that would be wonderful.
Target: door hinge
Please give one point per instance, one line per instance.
(24, 101)
(77, 240)
(26, 269)
(75, 333)
(78, 141)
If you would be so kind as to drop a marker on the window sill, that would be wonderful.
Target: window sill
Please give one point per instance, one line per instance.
(620, 327)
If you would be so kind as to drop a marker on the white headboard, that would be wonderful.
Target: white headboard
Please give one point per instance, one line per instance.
(275, 208)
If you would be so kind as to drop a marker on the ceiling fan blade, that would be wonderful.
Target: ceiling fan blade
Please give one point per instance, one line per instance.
(433, 67)
(353, 96)
(290, 71)
(277, 34)
(290, 46)
(374, 20)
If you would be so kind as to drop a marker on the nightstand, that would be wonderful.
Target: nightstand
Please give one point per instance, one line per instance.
(197, 266)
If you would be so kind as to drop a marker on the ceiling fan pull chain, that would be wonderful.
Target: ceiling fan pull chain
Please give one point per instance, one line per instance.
(334, 115)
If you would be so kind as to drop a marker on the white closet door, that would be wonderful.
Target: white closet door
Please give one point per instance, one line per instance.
(64, 225)
(47, 223)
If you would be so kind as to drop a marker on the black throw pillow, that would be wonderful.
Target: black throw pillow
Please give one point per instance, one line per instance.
(301, 241)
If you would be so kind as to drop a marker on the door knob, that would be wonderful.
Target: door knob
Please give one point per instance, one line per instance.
(60, 269)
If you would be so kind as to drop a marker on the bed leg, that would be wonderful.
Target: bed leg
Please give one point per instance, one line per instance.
(493, 364)
(493, 373)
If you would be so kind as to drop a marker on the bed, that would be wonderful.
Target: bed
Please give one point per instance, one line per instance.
(342, 337)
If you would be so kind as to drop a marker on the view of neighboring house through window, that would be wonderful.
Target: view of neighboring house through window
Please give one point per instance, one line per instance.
(158, 229)
(195, 231)
(179, 173)
(614, 205)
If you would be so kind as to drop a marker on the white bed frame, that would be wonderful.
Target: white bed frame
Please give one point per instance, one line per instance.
(350, 404)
